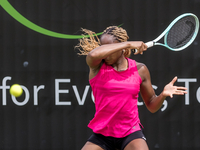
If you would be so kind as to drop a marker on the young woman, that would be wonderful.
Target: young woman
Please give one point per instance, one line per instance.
(116, 81)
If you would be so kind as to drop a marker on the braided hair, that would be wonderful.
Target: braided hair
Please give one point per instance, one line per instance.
(88, 44)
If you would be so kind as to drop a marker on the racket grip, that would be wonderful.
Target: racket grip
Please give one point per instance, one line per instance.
(150, 44)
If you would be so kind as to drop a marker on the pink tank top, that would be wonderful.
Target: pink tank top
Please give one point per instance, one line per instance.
(116, 96)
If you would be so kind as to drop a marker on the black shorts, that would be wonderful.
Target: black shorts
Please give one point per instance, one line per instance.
(111, 143)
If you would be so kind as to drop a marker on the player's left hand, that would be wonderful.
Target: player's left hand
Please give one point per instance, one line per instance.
(170, 89)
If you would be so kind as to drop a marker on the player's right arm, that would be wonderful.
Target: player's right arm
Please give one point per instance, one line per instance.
(95, 57)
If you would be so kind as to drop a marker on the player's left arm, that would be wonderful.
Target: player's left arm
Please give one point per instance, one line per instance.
(152, 101)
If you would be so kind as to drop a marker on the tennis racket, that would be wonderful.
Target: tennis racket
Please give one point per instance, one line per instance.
(179, 34)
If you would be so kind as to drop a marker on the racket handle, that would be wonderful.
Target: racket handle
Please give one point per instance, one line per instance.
(150, 44)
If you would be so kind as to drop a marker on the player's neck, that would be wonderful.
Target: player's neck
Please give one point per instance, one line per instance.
(121, 64)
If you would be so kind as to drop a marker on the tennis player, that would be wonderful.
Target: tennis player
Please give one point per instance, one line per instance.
(116, 81)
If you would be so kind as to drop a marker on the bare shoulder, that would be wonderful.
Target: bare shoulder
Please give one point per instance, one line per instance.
(141, 66)
(94, 71)
(142, 70)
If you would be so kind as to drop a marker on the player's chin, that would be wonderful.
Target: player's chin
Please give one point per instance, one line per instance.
(109, 63)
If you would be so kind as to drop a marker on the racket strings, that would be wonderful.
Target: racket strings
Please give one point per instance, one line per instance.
(181, 32)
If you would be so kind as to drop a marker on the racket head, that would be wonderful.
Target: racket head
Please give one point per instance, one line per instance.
(181, 32)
